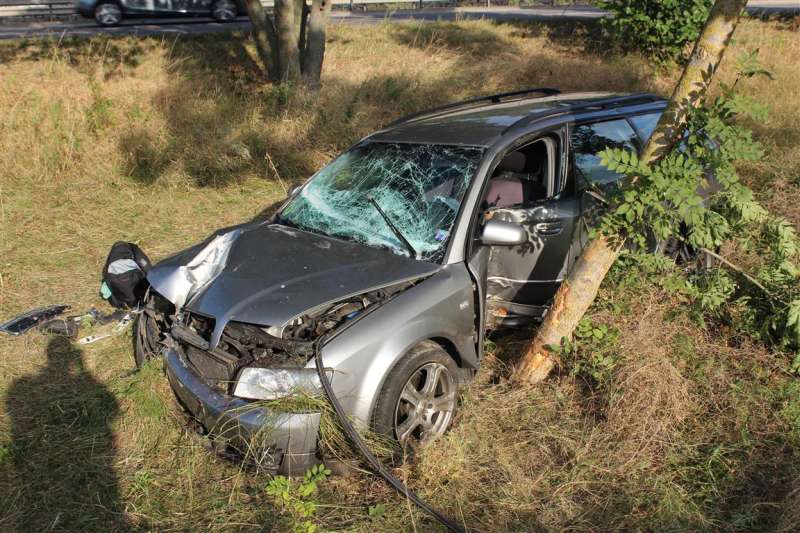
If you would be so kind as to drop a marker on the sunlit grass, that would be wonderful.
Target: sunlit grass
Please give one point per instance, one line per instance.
(161, 141)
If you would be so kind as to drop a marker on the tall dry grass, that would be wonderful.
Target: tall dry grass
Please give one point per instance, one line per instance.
(161, 141)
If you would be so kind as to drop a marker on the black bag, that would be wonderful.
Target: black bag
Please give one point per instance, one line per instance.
(125, 275)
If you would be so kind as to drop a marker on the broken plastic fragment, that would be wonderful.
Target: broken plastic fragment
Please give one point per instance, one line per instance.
(119, 327)
(60, 326)
(24, 322)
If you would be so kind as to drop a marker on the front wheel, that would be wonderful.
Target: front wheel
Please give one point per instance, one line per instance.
(418, 401)
(108, 14)
(148, 328)
(224, 10)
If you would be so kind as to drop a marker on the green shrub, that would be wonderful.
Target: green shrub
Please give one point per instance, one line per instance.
(761, 301)
(660, 29)
(297, 499)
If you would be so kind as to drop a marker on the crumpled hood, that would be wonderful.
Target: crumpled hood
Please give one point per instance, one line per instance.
(274, 273)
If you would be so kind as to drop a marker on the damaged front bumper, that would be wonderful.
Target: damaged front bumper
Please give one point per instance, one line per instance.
(283, 442)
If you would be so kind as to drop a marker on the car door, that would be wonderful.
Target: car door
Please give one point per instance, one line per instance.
(191, 6)
(522, 280)
(592, 181)
(147, 6)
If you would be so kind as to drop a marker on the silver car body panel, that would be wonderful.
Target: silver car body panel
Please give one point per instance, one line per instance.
(274, 274)
(441, 308)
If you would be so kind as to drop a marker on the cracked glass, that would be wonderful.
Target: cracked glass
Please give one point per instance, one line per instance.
(404, 197)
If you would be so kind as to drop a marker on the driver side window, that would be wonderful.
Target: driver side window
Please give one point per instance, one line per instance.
(522, 177)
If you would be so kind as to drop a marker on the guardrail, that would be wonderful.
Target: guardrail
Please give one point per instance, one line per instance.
(53, 9)
(60, 9)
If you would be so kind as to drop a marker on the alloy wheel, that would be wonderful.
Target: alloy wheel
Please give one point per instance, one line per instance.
(108, 14)
(426, 404)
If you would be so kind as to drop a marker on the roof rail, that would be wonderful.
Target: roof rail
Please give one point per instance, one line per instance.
(493, 98)
(497, 98)
(619, 101)
(604, 103)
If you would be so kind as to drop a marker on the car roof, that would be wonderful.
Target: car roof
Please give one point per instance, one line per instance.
(481, 121)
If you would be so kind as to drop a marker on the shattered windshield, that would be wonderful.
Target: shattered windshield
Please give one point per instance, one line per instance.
(404, 197)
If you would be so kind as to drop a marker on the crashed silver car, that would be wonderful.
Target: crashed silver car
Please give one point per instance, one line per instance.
(391, 263)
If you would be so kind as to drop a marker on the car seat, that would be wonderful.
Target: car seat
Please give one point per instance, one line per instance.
(507, 186)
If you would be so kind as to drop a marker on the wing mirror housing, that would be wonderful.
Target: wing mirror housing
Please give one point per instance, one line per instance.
(501, 233)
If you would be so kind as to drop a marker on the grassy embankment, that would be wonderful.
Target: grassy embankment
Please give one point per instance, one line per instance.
(160, 141)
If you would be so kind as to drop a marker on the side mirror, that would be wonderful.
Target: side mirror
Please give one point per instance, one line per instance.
(500, 233)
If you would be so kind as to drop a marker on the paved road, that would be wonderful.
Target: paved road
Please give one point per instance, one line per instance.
(177, 26)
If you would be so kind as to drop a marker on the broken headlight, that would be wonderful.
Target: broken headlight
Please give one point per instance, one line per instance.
(274, 383)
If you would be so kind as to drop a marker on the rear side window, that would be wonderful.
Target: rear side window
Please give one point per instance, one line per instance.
(588, 140)
(645, 125)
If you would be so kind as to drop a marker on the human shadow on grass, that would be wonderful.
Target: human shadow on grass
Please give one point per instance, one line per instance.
(63, 449)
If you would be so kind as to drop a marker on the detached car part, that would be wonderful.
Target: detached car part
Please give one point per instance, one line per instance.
(29, 320)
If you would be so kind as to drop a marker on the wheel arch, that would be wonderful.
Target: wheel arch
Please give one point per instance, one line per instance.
(448, 346)
(361, 397)
(440, 341)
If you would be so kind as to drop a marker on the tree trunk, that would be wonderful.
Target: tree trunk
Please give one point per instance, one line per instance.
(265, 37)
(287, 27)
(315, 45)
(301, 41)
(571, 302)
(579, 290)
(291, 45)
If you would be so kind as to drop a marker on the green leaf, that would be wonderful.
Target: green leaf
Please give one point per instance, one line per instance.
(793, 322)
(377, 511)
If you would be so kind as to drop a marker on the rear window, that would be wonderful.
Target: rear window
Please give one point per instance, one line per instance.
(588, 140)
(645, 125)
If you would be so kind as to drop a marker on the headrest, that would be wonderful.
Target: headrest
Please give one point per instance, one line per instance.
(513, 162)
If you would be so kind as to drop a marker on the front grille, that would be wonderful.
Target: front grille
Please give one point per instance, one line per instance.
(212, 371)
(216, 368)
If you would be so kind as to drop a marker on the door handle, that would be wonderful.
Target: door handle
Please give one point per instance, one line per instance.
(549, 228)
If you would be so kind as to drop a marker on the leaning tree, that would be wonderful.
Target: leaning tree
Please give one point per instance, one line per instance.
(291, 42)
(580, 288)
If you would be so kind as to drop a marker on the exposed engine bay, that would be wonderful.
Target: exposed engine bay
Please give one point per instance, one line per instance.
(252, 346)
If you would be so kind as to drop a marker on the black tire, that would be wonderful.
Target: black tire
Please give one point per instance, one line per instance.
(224, 10)
(684, 255)
(108, 14)
(148, 327)
(391, 411)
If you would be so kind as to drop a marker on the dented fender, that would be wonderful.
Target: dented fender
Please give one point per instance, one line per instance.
(363, 355)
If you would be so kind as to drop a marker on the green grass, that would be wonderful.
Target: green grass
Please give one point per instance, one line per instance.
(161, 141)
